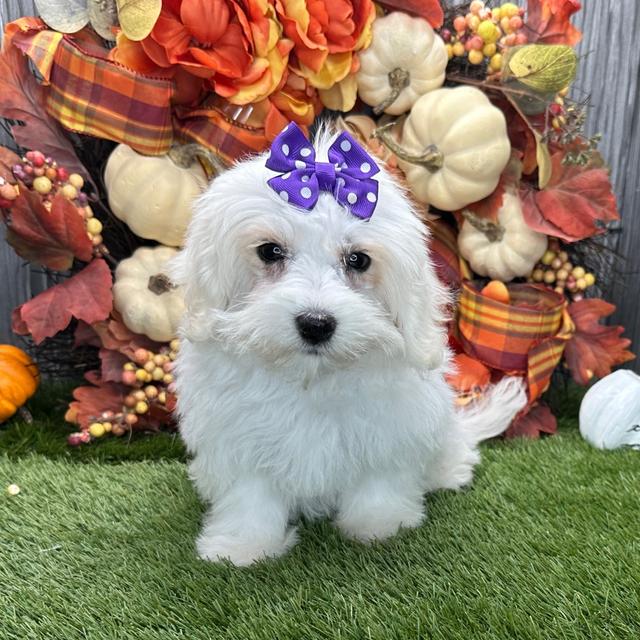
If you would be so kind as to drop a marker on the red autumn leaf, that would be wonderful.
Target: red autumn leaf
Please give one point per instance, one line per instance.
(51, 238)
(549, 22)
(86, 296)
(114, 335)
(111, 365)
(594, 349)
(537, 421)
(90, 401)
(85, 335)
(23, 98)
(430, 10)
(576, 203)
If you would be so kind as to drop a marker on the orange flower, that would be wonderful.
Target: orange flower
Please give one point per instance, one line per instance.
(294, 101)
(326, 33)
(237, 47)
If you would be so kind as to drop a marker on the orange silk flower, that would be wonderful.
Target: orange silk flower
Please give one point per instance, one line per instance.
(326, 33)
(236, 46)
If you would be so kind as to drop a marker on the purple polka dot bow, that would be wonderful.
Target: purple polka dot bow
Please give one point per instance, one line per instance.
(347, 175)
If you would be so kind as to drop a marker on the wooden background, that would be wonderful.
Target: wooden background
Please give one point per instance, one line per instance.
(609, 73)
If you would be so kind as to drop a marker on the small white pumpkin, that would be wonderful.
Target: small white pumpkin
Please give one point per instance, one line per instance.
(454, 146)
(153, 194)
(143, 294)
(406, 59)
(610, 411)
(504, 250)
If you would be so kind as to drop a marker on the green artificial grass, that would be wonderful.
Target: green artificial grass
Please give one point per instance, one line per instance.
(545, 545)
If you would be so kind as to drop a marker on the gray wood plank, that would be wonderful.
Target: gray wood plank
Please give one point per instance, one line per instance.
(15, 277)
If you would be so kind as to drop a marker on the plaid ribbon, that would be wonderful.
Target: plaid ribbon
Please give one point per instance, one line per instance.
(214, 126)
(90, 94)
(96, 97)
(526, 337)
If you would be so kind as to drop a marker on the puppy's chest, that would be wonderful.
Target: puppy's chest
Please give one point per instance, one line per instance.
(314, 440)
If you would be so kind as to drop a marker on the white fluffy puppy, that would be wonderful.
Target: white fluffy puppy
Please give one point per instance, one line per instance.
(311, 371)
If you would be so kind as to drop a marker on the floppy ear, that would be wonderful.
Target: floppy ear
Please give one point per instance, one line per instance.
(422, 320)
(199, 268)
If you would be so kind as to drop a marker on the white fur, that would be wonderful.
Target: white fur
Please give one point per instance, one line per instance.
(358, 431)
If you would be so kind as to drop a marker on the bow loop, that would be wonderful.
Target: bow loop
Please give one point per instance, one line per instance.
(347, 175)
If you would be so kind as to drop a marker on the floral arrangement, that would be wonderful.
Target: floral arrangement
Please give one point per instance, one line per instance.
(469, 105)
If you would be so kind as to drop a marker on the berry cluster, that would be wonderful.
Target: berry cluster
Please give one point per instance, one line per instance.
(558, 111)
(43, 175)
(150, 376)
(555, 270)
(485, 33)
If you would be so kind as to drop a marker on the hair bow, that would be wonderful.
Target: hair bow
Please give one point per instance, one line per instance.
(347, 175)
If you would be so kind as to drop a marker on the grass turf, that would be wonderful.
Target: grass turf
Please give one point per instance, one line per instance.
(545, 545)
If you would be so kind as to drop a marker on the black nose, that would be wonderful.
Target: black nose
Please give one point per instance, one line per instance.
(315, 328)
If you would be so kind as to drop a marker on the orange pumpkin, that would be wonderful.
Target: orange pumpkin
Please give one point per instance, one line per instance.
(19, 378)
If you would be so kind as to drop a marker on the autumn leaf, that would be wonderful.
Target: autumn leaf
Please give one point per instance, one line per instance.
(23, 98)
(111, 364)
(546, 69)
(537, 421)
(576, 203)
(90, 401)
(51, 238)
(549, 21)
(114, 335)
(594, 349)
(86, 296)
(430, 10)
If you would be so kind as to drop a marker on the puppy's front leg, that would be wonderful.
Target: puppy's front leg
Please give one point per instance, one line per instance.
(379, 504)
(249, 522)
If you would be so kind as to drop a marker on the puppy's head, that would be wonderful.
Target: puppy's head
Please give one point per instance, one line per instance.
(309, 289)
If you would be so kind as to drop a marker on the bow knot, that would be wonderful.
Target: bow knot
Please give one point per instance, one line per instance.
(347, 175)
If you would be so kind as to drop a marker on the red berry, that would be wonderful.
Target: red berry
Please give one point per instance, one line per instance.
(556, 109)
(63, 174)
(37, 158)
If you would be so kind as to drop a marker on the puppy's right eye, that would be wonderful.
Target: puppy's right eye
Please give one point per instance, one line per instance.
(270, 252)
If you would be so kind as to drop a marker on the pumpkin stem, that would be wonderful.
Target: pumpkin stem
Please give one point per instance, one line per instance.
(399, 80)
(160, 284)
(184, 155)
(25, 414)
(431, 159)
(492, 230)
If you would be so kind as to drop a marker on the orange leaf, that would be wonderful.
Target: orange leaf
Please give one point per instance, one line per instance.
(539, 420)
(85, 296)
(594, 349)
(430, 10)
(48, 237)
(549, 22)
(576, 203)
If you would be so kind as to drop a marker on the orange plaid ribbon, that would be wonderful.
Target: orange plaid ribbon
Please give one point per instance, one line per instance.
(526, 337)
(90, 94)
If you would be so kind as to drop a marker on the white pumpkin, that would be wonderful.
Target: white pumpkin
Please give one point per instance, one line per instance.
(153, 194)
(610, 411)
(406, 59)
(147, 301)
(454, 146)
(504, 250)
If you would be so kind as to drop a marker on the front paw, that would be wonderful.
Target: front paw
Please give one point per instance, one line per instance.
(367, 526)
(242, 551)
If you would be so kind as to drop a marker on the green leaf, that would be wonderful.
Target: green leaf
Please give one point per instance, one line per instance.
(544, 68)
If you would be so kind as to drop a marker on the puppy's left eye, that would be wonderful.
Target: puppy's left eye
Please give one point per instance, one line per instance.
(358, 261)
(270, 252)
